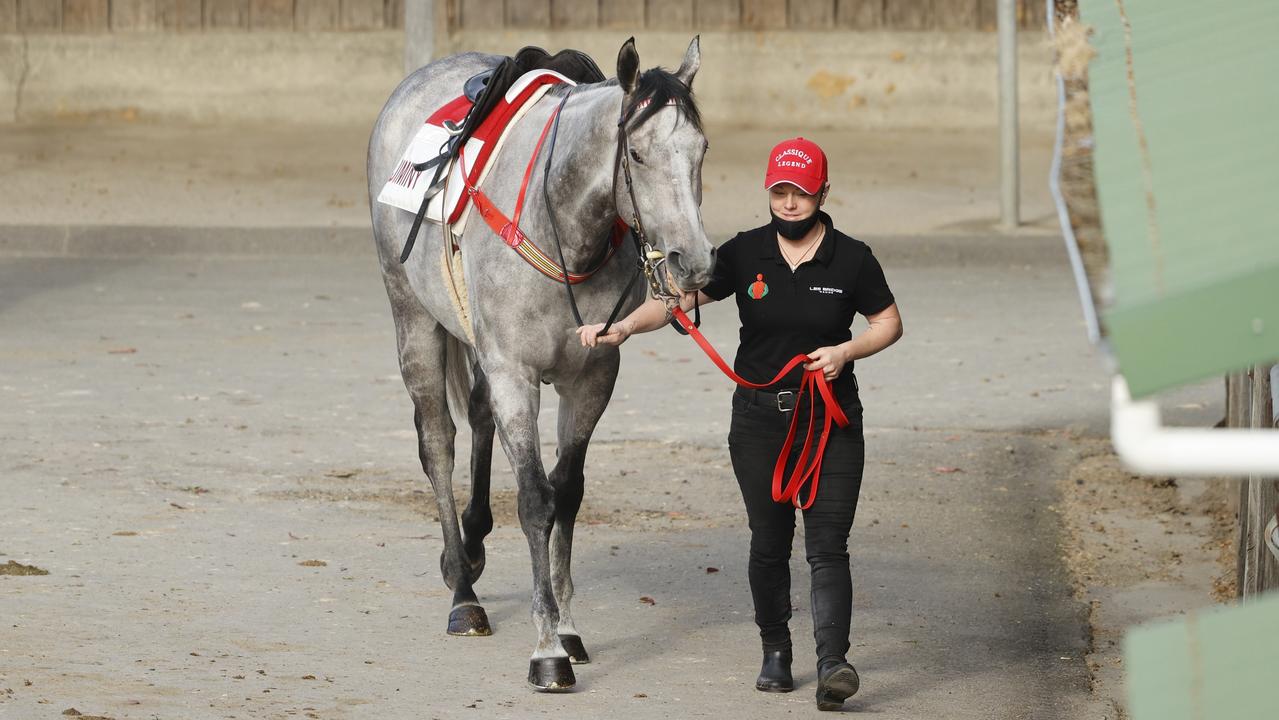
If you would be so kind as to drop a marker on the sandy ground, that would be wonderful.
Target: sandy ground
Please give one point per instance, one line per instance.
(213, 460)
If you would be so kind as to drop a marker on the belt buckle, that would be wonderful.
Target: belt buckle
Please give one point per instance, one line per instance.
(785, 401)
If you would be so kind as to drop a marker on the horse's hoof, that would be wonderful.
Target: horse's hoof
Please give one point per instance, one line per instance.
(575, 649)
(469, 620)
(553, 674)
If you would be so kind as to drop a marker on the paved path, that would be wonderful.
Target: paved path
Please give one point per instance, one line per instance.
(181, 434)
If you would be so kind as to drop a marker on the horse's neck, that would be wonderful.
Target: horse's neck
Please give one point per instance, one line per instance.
(581, 177)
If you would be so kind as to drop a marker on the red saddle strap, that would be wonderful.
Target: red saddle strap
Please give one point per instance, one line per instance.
(509, 228)
(813, 384)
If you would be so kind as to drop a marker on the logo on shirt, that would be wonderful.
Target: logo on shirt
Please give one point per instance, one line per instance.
(820, 290)
(758, 289)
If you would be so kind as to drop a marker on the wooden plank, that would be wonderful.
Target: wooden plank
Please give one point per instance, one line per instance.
(8, 16)
(1033, 14)
(394, 13)
(670, 14)
(271, 14)
(316, 15)
(482, 14)
(133, 16)
(908, 14)
(987, 15)
(1263, 497)
(187, 15)
(811, 14)
(575, 14)
(717, 14)
(528, 14)
(763, 14)
(40, 15)
(622, 15)
(86, 16)
(362, 14)
(955, 14)
(226, 14)
(859, 14)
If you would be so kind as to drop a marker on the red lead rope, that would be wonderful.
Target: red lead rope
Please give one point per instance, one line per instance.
(814, 383)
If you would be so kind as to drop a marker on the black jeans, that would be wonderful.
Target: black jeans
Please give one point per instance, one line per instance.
(755, 439)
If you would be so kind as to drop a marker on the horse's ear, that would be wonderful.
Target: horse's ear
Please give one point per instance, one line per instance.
(628, 66)
(692, 61)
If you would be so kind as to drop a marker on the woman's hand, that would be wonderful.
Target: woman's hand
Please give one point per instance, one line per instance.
(617, 334)
(830, 360)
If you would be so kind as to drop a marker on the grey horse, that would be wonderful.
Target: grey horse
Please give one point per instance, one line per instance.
(521, 333)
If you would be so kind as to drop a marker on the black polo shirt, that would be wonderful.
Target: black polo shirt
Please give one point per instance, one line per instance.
(786, 313)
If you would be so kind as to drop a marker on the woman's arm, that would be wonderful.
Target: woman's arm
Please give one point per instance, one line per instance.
(647, 317)
(885, 329)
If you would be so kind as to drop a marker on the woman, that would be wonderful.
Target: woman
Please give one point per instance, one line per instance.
(798, 283)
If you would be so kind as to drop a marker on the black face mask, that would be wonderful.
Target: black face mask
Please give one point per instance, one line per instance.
(794, 229)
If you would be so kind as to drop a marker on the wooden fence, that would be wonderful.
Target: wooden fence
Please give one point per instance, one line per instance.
(99, 16)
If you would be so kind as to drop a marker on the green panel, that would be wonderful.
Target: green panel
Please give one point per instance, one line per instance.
(1219, 664)
(1204, 75)
(1212, 330)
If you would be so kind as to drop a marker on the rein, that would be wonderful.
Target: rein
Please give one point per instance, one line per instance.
(813, 385)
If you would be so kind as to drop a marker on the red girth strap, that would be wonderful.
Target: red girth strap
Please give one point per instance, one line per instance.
(814, 383)
(509, 228)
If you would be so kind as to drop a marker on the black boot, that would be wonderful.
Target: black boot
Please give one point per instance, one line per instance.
(836, 682)
(774, 674)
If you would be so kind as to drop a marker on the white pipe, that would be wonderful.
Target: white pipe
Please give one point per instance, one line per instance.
(1059, 200)
(1149, 448)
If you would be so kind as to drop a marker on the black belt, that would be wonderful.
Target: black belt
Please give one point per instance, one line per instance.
(782, 400)
(779, 400)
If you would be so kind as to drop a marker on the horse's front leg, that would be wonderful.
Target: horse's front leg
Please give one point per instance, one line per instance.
(514, 397)
(582, 403)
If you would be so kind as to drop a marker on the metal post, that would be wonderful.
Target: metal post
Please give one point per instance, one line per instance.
(419, 33)
(1009, 171)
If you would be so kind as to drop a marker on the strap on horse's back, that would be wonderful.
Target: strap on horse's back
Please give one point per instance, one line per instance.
(573, 64)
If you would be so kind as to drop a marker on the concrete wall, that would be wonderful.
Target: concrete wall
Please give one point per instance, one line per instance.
(766, 79)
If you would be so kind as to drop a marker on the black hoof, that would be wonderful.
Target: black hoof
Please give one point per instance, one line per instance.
(551, 674)
(469, 620)
(575, 649)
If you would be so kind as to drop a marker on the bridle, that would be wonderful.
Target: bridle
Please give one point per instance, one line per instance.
(651, 261)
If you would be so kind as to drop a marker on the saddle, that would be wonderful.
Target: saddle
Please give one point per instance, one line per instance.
(457, 143)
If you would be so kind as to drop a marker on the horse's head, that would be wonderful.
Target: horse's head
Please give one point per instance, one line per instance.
(663, 145)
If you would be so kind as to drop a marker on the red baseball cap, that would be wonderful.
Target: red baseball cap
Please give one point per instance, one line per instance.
(797, 161)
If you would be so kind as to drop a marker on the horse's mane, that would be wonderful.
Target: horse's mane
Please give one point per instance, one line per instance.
(658, 88)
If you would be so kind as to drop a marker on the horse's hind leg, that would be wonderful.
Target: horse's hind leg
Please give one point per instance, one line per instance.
(477, 519)
(423, 347)
(581, 406)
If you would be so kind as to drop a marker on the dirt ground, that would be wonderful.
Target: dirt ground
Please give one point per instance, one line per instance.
(212, 458)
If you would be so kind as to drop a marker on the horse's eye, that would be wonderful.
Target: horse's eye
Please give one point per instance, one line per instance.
(635, 156)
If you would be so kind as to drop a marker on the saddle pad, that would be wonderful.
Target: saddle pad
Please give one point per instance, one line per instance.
(407, 186)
